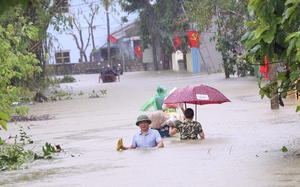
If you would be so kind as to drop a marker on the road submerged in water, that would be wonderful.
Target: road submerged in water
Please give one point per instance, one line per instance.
(242, 145)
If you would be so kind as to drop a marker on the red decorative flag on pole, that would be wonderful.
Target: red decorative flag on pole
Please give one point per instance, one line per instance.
(193, 38)
(112, 39)
(138, 51)
(177, 40)
(265, 68)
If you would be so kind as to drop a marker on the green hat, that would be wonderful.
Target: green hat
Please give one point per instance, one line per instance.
(142, 118)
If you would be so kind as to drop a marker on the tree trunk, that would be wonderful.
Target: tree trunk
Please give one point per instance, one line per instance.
(273, 78)
(154, 50)
(227, 74)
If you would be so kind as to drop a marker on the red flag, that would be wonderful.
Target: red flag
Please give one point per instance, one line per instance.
(177, 40)
(265, 68)
(138, 51)
(193, 38)
(112, 39)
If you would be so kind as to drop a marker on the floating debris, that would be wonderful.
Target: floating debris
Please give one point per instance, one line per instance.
(31, 118)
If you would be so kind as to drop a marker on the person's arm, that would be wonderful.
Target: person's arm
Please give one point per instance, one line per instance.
(182, 109)
(201, 134)
(126, 148)
(115, 73)
(132, 146)
(160, 144)
(172, 131)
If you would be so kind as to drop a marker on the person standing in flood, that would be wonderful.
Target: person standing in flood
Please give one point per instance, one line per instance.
(145, 138)
(188, 129)
(101, 73)
(119, 71)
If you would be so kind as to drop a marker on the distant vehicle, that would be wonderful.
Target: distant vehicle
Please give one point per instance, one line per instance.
(108, 78)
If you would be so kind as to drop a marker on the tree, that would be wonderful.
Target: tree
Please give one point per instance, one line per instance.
(6, 5)
(170, 18)
(230, 18)
(22, 59)
(157, 23)
(16, 62)
(82, 43)
(275, 34)
(42, 15)
(94, 12)
(146, 27)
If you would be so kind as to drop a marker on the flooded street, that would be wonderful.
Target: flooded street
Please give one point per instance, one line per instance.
(242, 145)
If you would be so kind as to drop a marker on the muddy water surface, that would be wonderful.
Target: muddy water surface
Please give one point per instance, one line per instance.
(242, 145)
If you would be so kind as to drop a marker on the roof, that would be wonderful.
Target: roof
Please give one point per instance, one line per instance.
(128, 31)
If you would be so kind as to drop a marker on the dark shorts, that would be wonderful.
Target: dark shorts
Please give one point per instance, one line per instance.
(164, 132)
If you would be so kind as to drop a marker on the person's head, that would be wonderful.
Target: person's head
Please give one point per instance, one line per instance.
(161, 90)
(108, 67)
(143, 122)
(189, 113)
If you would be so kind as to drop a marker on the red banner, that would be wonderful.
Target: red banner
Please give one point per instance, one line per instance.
(265, 68)
(112, 39)
(177, 40)
(193, 38)
(138, 51)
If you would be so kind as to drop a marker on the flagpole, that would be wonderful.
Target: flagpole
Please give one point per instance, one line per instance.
(108, 38)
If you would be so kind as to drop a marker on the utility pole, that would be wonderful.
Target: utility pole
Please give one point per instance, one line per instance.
(121, 45)
(108, 39)
(122, 49)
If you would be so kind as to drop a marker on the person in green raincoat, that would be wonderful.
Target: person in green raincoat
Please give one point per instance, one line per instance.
(157, 100)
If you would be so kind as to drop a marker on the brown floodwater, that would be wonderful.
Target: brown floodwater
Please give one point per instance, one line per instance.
(242, 145)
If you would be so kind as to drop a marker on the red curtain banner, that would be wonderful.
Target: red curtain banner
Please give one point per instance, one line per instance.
(138, 51)
(193, 38)
(112, 39)
(177, 40)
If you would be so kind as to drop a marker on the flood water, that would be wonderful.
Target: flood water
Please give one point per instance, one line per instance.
(242, 145)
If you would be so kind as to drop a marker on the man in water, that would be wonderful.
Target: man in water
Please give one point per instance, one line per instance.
(146, 137)
(109, 71)
(188, 129)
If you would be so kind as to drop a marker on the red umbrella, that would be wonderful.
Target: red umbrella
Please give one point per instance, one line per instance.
(198, 95)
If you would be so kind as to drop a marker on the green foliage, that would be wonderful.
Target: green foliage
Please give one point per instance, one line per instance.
(14, 155)
(21, 110)
(15, 65)
(284, 149)
(24, 138)
(298, 108)
(230, 18)
(29, 31)
(275, 34)
(67, 79)
(244, 68)
(81, 92)
(101, 93)
(6, 5)
(3, 119)
(61, 94)
(157, 24)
